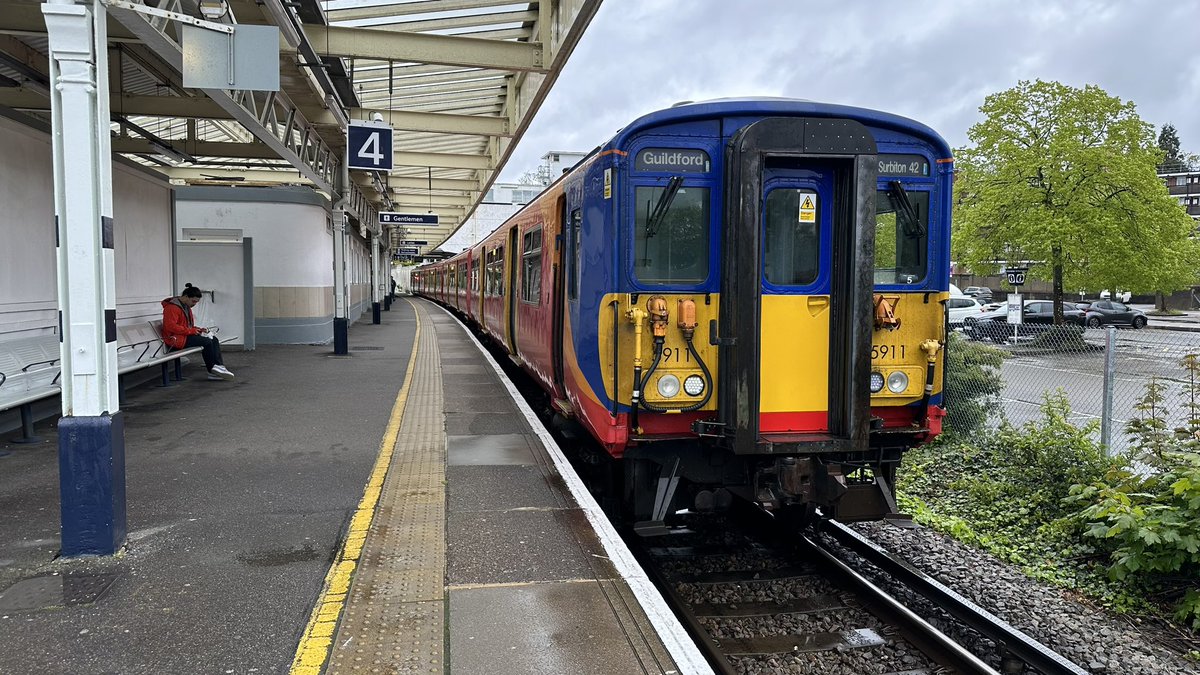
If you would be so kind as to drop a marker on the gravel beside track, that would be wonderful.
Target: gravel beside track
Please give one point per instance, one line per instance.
(1088, 636)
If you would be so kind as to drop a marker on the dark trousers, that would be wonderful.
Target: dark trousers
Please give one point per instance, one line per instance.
(212, 349)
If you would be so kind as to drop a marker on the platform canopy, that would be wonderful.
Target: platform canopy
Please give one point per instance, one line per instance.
(459, 80)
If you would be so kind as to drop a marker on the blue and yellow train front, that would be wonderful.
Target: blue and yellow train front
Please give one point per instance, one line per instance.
(767, 316)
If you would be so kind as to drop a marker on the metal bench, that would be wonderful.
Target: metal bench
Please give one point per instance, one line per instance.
(30, 369)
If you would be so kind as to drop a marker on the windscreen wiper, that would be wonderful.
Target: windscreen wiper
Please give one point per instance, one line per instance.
(906, 211)
(664, 204)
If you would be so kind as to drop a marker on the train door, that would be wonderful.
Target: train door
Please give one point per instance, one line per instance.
(558, 297)
(795, 318)
(512, 262)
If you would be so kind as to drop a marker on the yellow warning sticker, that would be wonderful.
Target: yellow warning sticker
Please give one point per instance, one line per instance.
(608, 183)
(808, 208)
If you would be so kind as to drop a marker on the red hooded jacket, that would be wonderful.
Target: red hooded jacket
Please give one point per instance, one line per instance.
(177, 323)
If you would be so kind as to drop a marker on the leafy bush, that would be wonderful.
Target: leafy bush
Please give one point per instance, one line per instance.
(972, 385)
(1067, 337)
(1149, 520)
(1004, 491)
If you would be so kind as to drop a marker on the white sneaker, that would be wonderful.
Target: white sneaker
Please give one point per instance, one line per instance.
(222, 372)
(218, 378)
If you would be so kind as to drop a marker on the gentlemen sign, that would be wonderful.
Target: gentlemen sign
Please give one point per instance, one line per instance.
(1016, 275)
(674, 160)
(420, 219)
(369, 146)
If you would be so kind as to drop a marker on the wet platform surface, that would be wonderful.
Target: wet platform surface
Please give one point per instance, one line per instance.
(527, 585)
(471, 555)
(239, 494)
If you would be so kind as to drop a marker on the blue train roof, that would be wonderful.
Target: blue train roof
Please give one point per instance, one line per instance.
(766, 106)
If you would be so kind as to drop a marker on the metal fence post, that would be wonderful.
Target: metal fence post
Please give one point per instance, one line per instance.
(1110, 370)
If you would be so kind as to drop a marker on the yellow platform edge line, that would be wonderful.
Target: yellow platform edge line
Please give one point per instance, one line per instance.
(314, 647)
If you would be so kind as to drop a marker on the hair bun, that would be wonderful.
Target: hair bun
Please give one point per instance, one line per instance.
(187, 285)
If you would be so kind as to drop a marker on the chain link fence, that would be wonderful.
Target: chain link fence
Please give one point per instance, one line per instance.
(994, 375)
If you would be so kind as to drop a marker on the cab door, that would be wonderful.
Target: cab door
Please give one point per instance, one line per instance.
(796, 286)
(795, 300)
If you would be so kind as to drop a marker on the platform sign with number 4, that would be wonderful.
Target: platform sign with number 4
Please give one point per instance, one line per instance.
(369, 146)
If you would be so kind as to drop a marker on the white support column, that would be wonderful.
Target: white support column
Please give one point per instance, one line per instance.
(341, 224)
(91, 432)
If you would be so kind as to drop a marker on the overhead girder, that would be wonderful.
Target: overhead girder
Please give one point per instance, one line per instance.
(257, 113)
(410, 8)
(395, 22)
(442, 49)
(465, 96)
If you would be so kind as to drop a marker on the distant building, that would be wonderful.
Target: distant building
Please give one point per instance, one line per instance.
(505, 199)
(1185, 186)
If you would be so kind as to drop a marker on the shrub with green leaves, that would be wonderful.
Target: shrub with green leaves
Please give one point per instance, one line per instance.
(1149, 520)
(972, 385)
(1003, 491)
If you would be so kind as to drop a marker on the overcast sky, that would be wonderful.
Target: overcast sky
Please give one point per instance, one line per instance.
(933, 61)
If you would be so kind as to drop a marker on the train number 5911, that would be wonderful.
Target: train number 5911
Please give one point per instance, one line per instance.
(886, 352)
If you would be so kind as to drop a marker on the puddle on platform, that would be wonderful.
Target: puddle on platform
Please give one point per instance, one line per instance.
(55, 591)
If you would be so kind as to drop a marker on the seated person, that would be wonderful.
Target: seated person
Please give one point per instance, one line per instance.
(179, 331)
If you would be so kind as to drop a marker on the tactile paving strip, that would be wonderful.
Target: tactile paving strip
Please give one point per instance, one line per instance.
(394, 617)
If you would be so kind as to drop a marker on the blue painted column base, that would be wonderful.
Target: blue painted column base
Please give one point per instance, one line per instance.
(387, 302)
(375, 316)
(91, 476)
(341, 336)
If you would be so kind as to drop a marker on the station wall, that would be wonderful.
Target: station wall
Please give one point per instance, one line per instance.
(28, 268)
(292, 255)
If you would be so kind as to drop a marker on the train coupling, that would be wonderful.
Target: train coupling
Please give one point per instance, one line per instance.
(799, 480)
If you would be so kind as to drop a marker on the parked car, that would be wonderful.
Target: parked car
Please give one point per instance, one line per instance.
(1038, 317)
(959, 308)
(981, 293)
(1105, 312)
(993, 306)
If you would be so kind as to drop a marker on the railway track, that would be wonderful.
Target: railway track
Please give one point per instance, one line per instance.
(758, 601)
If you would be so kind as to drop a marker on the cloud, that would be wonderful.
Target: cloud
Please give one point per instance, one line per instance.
(933, 61)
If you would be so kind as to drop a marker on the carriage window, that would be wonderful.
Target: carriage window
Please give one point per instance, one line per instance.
(501, 281)
(901, 235)
(670, 241)
(792, 248)
(573, 256)
(531, 267)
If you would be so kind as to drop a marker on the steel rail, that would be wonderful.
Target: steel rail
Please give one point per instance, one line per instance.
(924, 636)
(682, 608)
(1005, 634)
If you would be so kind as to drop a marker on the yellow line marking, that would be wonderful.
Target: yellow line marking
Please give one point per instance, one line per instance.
(313, 650)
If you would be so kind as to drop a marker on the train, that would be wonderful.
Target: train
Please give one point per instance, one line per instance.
(734, 299)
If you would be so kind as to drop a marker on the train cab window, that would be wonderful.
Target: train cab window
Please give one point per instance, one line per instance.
(531, 267)
(901, 235)
(792, 243)
(670, 239)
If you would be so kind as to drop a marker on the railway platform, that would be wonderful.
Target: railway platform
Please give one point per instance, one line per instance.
(254, 546)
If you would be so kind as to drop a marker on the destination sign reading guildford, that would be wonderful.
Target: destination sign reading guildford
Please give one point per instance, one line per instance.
(675, 160)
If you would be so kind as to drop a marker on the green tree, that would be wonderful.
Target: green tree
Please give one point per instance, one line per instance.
(1067, 177)
(1168, 142)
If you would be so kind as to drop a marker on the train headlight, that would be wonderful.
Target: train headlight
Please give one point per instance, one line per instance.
(668, 386)
(897, 382)
(693, 385)
(876, 382)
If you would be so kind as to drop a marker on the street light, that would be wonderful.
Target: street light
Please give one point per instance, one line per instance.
(213, 9)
